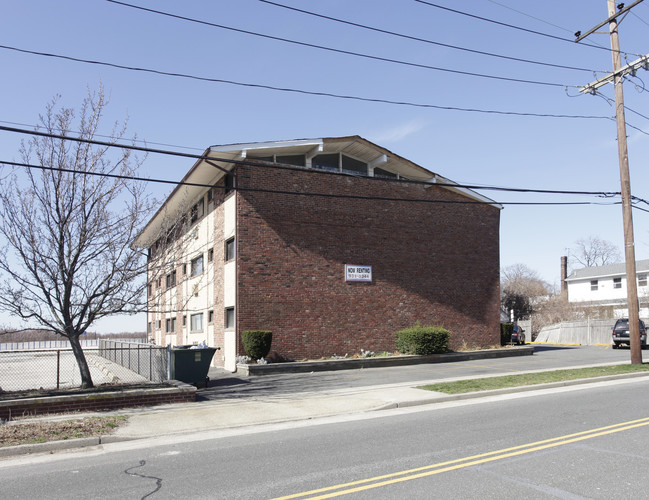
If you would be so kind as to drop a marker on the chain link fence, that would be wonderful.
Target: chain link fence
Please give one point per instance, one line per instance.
(148, 360)
(112, 363)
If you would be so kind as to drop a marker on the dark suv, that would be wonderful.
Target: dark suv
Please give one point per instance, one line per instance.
(621, 333)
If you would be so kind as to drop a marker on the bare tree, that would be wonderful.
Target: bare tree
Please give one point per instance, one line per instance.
(594, 251)
(520, 289)
(68, 226)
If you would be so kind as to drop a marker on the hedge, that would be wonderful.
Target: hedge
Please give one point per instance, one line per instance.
(256, 343)
(423, 340)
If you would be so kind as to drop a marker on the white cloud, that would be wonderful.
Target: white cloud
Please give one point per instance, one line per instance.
(399, 132)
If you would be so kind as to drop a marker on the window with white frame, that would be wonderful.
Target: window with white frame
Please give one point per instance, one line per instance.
(197, 266)
(196, 321)
(642, 280)
(594, 285)
(617, 282)
(170, 325)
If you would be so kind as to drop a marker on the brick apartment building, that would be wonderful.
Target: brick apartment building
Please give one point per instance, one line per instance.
(334, 244)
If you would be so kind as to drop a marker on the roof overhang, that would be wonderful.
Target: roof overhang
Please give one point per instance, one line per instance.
(217, 160)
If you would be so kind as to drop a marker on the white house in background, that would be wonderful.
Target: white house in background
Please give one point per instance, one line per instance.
(605, 286)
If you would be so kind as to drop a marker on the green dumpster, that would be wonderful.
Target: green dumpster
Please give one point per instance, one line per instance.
(191, 365)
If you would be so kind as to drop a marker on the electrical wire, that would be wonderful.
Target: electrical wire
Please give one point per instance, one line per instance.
(338, 196)
(425, 40)
(300, 91)
(340, 51)
(499, 23)
(64, 131)
(258, 164)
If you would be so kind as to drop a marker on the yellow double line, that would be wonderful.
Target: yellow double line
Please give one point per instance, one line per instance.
(460, 463)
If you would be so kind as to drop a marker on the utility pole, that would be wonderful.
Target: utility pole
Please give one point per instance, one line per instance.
(625, 181)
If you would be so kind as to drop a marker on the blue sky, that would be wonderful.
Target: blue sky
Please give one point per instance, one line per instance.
(537, 152)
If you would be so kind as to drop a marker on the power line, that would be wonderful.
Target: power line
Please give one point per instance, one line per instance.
(142, 141)
(257, 164)
(328, 195)
(499, 23)
(299, 91)
(340, 51)
(425, 40)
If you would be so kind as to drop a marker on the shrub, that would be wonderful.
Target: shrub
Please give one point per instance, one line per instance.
(423, 340)
(256, 343)
(506, 330)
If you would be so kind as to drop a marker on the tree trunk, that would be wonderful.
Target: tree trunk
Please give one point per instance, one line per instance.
(86, 378)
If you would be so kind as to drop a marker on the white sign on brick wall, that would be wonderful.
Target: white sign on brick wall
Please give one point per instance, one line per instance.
(358, 273)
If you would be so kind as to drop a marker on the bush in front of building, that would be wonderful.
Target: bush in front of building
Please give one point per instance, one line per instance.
(506, 330)
(256, 343)
(423, 340)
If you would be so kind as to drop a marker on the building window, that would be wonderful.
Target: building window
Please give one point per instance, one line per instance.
(197, 211)
(197, 266)
(210, 255)
(185, 320)
(379, 172)
(196, 322)
(229, 182)
(170, 325)
(159, 324)
(229, 249)
(159, 282)
(338, 162)
(148, 327)
(229, 318)
(210, 195)
(297, 160)
(171, 279)
(642, 280)
(210, 316)
(617, 282)
(150, 287)
(184, 269)
(593, 285)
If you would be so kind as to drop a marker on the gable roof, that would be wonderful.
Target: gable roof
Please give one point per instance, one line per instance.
(217, 160)
(610, 270)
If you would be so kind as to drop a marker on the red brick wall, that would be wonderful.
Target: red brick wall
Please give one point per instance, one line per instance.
(437, 263)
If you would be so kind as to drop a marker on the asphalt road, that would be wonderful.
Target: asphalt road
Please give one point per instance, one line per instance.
(572, 443)
(224, 384)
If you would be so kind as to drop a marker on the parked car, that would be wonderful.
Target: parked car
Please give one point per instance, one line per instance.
(621, 333)
(518, 335)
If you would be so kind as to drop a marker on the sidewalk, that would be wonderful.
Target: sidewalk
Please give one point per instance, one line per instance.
(231, 412)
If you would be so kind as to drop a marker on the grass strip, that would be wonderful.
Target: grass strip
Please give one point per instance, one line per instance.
(523, 379)
(15, 433)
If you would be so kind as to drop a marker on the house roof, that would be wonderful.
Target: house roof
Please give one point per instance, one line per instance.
(610, 270)
(217, 160)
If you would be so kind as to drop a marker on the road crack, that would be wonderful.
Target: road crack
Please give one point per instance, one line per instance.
(135, 474)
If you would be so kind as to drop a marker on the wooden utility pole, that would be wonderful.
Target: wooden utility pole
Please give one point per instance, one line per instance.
(625, 181)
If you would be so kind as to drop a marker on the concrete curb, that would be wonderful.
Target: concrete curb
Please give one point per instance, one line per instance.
(444, 398)
(52, 446)
(378, 362)
(438, 398)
